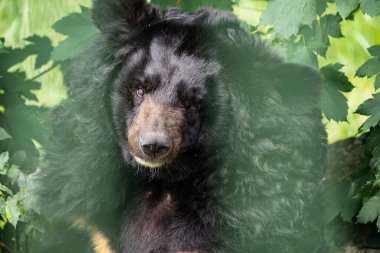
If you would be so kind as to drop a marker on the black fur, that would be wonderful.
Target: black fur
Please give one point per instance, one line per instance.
(247, 176)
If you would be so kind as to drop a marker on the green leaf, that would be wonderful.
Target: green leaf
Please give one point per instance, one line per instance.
(288, 15)
(333, 102)
(5, 189)
(4, 157)
(317, 37)
(80, 31)
(2, 206)
(18, 157)
(350, 209)
(310, 12)
(370, 107)
(14, 174)
(321, 6)
(351, 204)
(12, 211)
(42, 47)
(370, 7)
(332, 73)
(3, 134)
(370, 210)
(374, 51)
(330, 25)
(191, 5)
(334, 199)
(345, 7)
(369, 68)
(163, 4)
(377, 81)
(3, 50)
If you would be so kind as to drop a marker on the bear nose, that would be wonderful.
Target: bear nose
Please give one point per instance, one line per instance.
(155, 144)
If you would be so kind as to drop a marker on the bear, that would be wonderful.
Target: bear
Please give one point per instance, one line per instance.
(182, 132)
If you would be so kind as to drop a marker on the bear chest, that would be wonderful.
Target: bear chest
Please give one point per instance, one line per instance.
(163, 222)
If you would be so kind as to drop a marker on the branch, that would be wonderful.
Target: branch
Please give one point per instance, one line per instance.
(44, 72)
(5, 247)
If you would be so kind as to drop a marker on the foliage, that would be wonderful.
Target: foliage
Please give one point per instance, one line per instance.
(20, 129)
(303, 34)
(355, 198)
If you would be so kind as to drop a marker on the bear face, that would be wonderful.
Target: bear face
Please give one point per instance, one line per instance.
(161, 99)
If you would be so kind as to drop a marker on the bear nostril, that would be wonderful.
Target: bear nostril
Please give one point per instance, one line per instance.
(155, 144)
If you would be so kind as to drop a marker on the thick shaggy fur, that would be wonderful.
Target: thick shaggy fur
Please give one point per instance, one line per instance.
(248, 144)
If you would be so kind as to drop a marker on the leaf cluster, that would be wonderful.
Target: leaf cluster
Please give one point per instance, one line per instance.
(306, 33)
(20, 129)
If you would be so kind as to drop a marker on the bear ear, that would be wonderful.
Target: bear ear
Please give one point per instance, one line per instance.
(111, 15)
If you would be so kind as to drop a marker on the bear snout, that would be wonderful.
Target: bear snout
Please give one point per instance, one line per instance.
(155, 144)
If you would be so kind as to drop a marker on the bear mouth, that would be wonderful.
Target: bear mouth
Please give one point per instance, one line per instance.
(149, 164)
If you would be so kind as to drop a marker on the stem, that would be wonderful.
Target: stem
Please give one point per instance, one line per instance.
(5, 247)
(44, 72)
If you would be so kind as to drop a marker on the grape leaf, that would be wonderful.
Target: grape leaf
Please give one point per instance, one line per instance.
(288, 15)
(309, 13)
(12, 211)
(5, 189)
(317, 37)
(191, 5)
(370, 107)
(80, 31)
(2, 48)
(350, 208)
(370, 7)
(374, 51)
(345, 7)
(333, 102)
(334, 199)
(331, 72)
(41, 46)
(377, 81)
(369, 68)
(2, 206)
(352, 204)
(3, 134)
(4, 157)
(163, 4)
(370, 210)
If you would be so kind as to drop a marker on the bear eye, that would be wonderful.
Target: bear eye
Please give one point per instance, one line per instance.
(140, 91)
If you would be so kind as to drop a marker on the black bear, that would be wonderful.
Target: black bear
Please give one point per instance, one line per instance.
(184, 133)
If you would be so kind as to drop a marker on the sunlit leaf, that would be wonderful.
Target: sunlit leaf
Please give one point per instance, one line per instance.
(370, 107)
(335, 198)
(5, 189)
(377, 81)
(191, 5)
(4, 157)
(12, 211)
(3, 134)
(375, 51)
(370, 7)
(41, 46)
(334, 103)
(370, 210)
(80, 31)
(369, 68)
(287, 23)
(345, 7)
